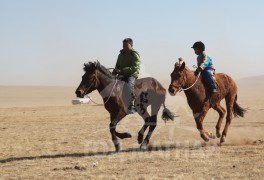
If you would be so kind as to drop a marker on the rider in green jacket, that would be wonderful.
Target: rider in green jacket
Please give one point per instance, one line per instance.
(128, 66)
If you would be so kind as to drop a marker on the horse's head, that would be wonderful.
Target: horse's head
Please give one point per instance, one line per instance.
(177, 81)
(89, 80)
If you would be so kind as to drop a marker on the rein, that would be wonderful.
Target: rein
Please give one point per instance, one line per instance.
(108, 96)
(185, 89)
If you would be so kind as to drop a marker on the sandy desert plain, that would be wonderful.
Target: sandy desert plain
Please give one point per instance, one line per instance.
(43, 136)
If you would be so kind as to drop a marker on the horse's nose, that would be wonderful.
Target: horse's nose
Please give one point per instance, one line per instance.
(78, 93)
(171, 90)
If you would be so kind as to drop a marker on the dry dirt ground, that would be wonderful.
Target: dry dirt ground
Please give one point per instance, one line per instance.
(60, 141)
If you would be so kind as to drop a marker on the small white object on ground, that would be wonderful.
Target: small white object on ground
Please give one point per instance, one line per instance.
(85, 100)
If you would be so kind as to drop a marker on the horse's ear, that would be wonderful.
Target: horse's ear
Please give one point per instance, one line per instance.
(180, 60)
(182, 66)
(93, 67)
(98, 63)
(89, 67)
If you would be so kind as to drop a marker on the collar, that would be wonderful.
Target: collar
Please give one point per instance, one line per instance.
(130, 50)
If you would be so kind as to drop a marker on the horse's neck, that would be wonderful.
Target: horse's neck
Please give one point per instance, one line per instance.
(196, 90)
(103, 83)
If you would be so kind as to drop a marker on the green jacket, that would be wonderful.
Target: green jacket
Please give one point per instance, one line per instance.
(129, 62)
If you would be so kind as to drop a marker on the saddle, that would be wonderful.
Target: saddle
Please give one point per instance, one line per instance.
(213, 98)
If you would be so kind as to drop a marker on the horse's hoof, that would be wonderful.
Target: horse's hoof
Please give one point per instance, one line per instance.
(127, 135)
(205, 138)
(218, 135)
(144, 147)
(222, 140)
(117, 148)
(212, 136)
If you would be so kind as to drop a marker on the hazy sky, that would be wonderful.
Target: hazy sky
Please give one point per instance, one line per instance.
(45, 42)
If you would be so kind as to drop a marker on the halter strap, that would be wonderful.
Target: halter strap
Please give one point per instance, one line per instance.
(185, 89)
(108, 96)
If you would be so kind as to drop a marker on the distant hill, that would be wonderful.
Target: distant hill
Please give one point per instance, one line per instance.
(251, 82)
(248, 82)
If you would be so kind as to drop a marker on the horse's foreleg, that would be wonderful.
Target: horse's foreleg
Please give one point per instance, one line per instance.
(123, 135)
(112, 127)
(199, 117)
(152, 125)
(114, 120)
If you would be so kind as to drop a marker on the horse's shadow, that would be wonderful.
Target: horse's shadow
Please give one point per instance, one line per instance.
(90, 154)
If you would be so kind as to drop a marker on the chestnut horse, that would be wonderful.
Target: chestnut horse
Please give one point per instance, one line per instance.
(201, 99)
(117, 96)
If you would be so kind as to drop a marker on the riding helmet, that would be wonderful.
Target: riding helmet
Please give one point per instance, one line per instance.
(199, 45)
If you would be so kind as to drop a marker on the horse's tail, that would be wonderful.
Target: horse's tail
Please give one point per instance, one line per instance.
(167, 114)
(237, 110)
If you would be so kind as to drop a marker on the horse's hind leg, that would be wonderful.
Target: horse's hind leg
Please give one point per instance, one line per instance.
(155, 107)
(152, 125)
(229, 106)
(146, 118)
(221, 111)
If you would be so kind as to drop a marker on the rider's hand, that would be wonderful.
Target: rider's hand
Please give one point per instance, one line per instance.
(198, 70)
(117, 71)
(114, 72)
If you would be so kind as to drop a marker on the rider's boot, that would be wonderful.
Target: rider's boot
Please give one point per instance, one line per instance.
(132, 109)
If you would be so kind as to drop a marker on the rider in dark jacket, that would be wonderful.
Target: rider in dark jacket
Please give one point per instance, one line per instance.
(128, 65)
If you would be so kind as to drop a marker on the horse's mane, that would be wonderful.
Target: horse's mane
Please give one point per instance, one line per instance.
(90, 66)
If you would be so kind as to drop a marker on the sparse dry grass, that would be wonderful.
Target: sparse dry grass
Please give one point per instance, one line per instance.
(73, 142)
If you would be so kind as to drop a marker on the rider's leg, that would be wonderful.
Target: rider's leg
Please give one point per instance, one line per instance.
(209, 75)
(131, 83)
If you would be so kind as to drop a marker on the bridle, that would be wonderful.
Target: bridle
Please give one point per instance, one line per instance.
(94, 83)
(185, 89)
